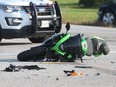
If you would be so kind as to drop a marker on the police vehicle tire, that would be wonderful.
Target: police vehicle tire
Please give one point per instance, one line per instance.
(0, 34)
(0, 39)
(36, 40)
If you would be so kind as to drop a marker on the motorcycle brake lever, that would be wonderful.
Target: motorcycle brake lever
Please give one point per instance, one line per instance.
(82, 35)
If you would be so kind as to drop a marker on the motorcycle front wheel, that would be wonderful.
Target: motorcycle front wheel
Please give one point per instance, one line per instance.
(32, 54)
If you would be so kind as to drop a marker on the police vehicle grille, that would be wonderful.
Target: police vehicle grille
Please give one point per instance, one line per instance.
(41, 10)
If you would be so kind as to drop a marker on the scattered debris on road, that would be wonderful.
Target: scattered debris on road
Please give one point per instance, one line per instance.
(73, 73)
(57, 78)
(66, 71)
(83, 67)
(13, 68)
(97, 74)
(112, 62)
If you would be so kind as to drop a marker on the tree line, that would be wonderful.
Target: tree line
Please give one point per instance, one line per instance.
(90, 3)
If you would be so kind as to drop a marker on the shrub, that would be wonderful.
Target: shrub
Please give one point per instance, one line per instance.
(102, 1)
(87, 3)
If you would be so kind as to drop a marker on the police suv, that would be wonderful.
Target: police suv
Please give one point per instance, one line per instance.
(32, 19)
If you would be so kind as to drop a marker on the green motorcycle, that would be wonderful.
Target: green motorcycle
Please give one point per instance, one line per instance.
(65, 48)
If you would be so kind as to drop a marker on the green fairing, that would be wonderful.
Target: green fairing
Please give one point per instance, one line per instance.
(56, 47)
(97, 54)
(84, 46)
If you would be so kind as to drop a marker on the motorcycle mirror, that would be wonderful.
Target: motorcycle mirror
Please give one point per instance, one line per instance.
(67, 26)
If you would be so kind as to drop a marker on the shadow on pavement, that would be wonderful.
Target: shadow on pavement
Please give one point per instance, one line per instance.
(9, 60)
(2, 44)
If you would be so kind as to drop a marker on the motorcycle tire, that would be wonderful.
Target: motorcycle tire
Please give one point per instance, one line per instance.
(32, 54)
(104, 49)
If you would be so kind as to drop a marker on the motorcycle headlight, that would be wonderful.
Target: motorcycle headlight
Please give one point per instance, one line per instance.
(9, 8)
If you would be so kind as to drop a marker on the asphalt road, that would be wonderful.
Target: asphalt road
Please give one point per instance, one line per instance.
(102, 73)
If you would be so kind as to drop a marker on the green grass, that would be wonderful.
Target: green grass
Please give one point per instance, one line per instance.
(66, 1)
(72, 12)
(79, 16)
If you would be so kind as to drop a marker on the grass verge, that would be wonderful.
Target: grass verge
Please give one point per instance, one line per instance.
(72, 12)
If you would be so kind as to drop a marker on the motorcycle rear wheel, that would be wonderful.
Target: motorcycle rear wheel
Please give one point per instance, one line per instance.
(32, 54)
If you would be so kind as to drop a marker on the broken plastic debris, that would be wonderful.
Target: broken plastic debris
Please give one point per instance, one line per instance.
(112, 62)
(73, 73)
(83, 66)
(31, 67)
(97, 74)
(13, 68)
(66, 71)
(57, 78)
(76, 74)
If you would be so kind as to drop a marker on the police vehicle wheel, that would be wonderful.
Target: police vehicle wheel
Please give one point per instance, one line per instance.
(108, 18)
